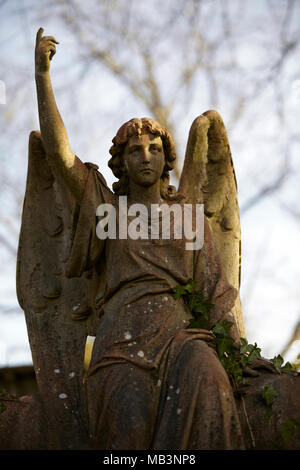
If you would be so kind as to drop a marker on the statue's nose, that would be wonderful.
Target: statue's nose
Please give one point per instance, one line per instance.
(146, 156)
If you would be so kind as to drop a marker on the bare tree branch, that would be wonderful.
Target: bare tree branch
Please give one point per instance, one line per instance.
(266, 190)
(295, 335)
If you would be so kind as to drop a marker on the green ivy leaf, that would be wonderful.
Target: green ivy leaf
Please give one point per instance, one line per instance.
(288, 429)
(233, 367)
(199, 307)
(254, 353)
(224, 345)
(269, 394)
(199, 323)
(180, 291)
(244, 346)
(222, 329)
(287, 368)
(277, 362)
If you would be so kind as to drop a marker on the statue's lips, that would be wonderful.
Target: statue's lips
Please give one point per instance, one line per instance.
(146, 170)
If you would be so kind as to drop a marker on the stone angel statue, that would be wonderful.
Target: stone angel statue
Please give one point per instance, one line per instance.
(151, 383)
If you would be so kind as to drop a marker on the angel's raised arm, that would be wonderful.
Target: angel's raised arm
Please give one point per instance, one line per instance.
(53, 131)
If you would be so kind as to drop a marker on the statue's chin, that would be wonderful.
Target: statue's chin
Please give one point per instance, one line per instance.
(146, 180)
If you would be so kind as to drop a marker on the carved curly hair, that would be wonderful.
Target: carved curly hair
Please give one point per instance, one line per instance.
(136, 127)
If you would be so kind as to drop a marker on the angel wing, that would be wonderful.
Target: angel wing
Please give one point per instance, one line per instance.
(51, 301)
(208, 178)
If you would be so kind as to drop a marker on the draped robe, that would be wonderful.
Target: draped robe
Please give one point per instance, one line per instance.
(153, 383)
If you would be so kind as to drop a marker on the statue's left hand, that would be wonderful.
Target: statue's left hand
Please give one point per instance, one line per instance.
(252, 369)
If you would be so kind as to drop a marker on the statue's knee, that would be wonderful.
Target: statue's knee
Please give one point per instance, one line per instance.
(198, 351)
(198, 359)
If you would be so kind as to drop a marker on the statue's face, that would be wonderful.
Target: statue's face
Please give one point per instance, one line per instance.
(144, 159)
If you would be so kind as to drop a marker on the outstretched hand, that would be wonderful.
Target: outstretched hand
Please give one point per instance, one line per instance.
(45, 48)
(252, 369)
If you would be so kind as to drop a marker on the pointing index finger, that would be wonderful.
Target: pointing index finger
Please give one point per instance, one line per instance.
(39, 34)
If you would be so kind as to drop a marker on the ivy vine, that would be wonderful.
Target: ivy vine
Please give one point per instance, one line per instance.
(233, 360)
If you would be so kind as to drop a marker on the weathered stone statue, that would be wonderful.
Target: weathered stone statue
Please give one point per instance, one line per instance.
(152, 382)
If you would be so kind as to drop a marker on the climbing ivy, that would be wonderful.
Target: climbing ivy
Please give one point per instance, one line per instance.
(288, 429)
(196, 303)
(279, 365)
(233, 360)
(269, 395)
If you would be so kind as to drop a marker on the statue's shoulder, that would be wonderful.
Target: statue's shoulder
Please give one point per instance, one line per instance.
(99, 179)
(95, 169)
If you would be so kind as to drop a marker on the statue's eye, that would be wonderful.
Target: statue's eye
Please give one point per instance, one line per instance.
(133, 149)
(155, 148)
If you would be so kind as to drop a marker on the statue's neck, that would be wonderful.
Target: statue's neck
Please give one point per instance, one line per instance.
(144, 195)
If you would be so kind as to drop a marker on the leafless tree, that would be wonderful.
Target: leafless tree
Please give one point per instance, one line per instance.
(171, 60)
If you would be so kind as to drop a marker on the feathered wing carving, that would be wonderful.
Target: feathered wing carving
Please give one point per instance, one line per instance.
(208, 177)
(50, 300)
